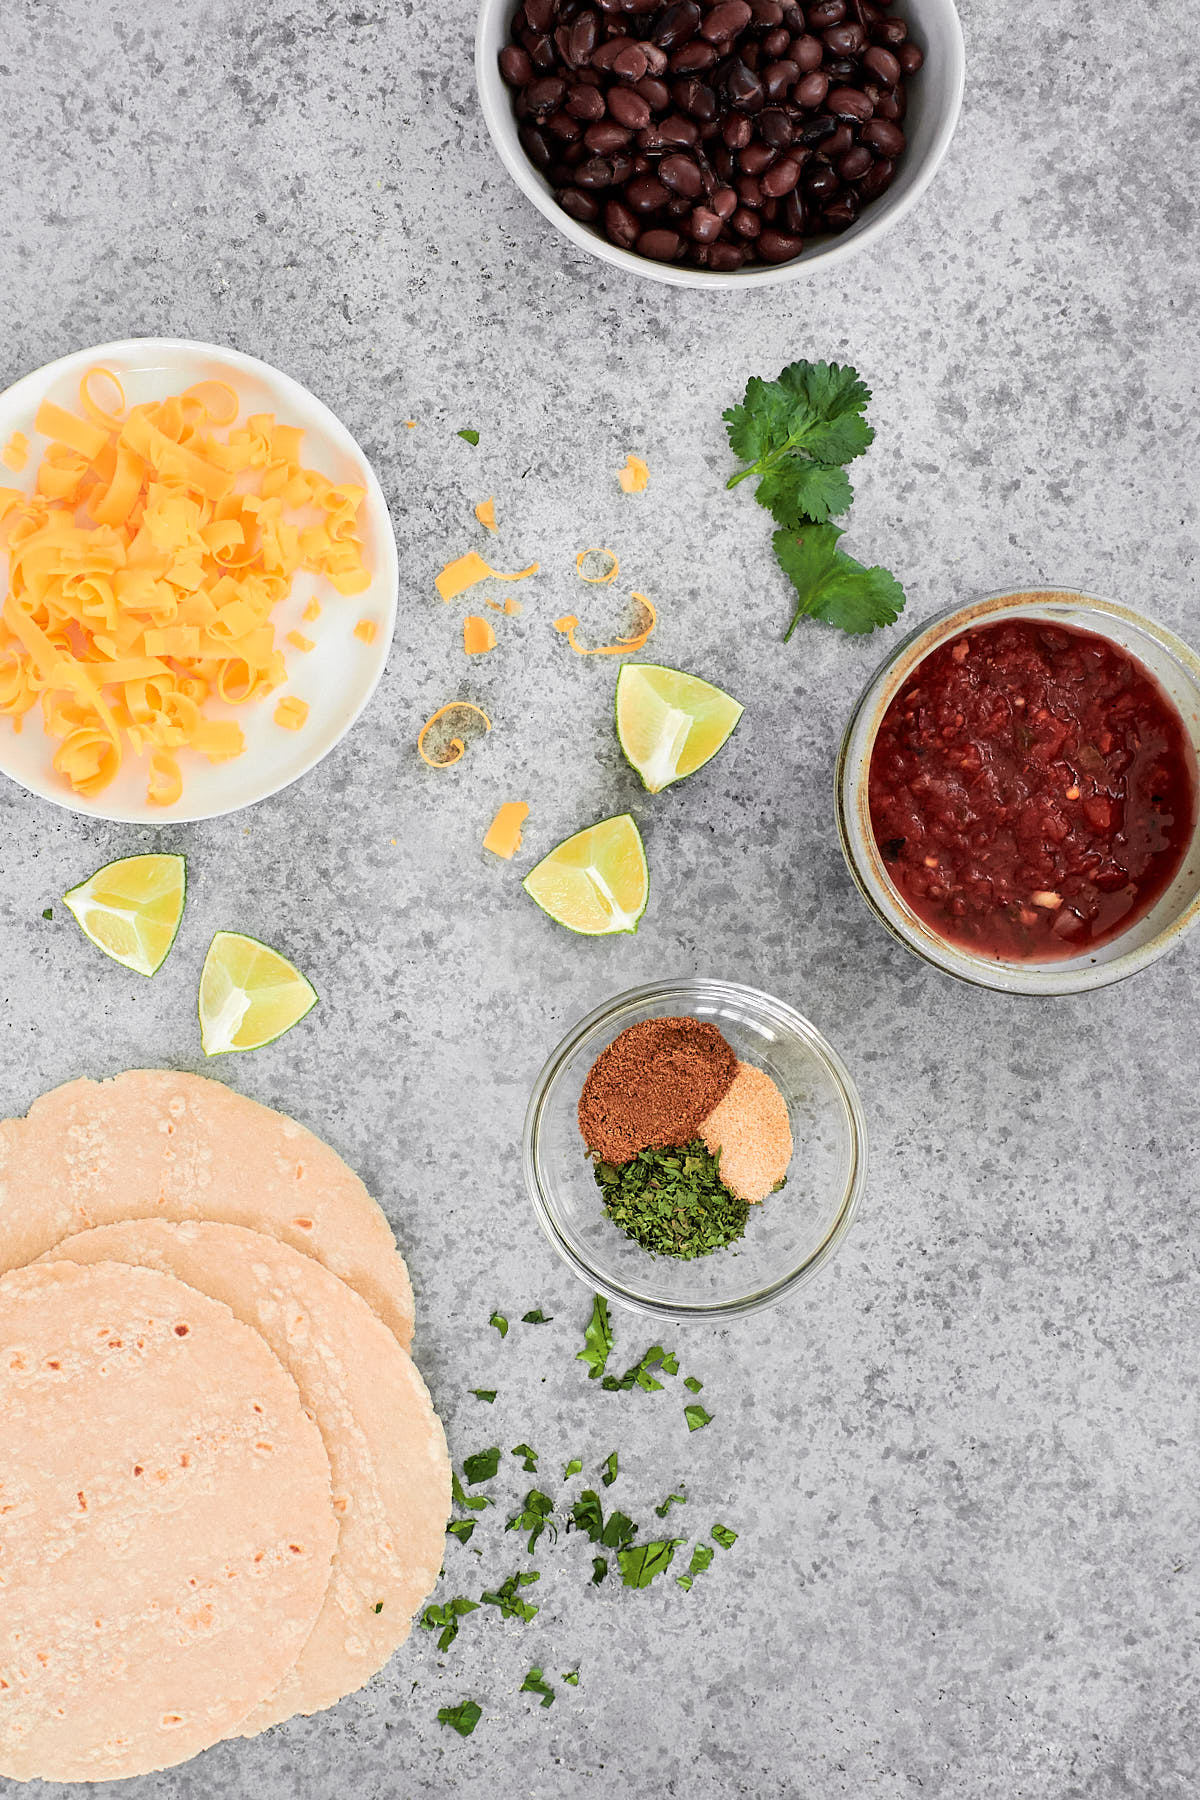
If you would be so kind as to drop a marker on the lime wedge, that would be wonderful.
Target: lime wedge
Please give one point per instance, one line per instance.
(249, 995)
(596, 882)
(670, 724)
(131, 909)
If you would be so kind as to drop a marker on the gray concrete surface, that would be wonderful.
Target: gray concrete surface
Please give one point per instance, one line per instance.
(963, 1464)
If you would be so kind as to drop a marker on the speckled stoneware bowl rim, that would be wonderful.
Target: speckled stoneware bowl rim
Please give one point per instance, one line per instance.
(675, 997)
(910, 184)
(1057, 980)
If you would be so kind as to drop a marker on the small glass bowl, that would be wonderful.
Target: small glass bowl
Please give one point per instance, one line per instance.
(788, 1237)
(1177, 670)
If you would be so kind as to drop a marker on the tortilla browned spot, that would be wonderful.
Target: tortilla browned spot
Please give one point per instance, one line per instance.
(168, 1523)
(387, 1451)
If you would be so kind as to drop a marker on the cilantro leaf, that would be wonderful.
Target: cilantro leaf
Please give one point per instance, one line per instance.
(642, 1562)
(726, 1538)
(500, 1322)
(832, 586)
(702, 1556)
(534, 1517)
(507, 1596)
(488, 1394)
(572, 1679)
(812, 410)
(48, 913)
(482, 1466)
(696, 1417)
(473, 1502)
(587, 1515)
(692, 1385)
(446, 1618)
(530, 1455)
(599, 1569)
(470, 434)
(804, 491)
(655, 1358)
(378, 1606)
(537, 1317)
(462, 1719)
(597, 1339)
(619, 1530)
(461, 1529)
(574, 1467)
(610, 1469)
(534, 1684)
(671, 1500)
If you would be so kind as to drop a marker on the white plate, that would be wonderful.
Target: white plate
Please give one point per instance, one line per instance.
(337, 678)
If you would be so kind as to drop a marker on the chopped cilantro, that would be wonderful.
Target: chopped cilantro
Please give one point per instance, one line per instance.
(572, 1679)
(609, 1466)
(599, 1570)
(726, 1538)
(445, 1618)
(696, 1417)
(469, 433)
(673, 1202)
(483, 1465)
(378, 1607)
(462, 1719)
(655, 1358)
(533, 1684)
(500, 1322)
(531, 1457)
(692, 1385)
(587, 1515)
(461, 1529)
(597, 1339)
(642, 1562)
(702, 1556)
(671, 1500)
(48, 913)
(474, 1502)
(507, 1596)
(574, 1467)
(537, 1317)
(488, 1394)
(832, 586)
(534, 1517)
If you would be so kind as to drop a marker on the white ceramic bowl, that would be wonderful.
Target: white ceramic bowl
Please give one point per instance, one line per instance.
(935, 97)
(1176, 912)
(336, 678)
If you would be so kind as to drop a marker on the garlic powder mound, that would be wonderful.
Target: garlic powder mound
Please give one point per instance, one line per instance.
(751, 1129)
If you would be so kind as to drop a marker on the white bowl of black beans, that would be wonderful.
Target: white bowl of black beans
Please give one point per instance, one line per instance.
(720, 143)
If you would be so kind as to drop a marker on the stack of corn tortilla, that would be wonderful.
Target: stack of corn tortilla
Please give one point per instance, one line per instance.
(223, 1486)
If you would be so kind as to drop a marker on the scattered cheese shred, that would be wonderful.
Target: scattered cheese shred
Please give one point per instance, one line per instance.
(144, 570)
(509, 606)
(298, 641)
(485, 512)
(291, 713)
(411, 424)
(365, 629)
(635, 476)
(646, 618)
(457, 713)
(478, 636)
(598, 567)
(312, 611)
(503, 836)
(15, 453)
(467, 570)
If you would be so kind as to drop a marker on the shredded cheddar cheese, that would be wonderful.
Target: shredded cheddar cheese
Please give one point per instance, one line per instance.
(465, 571)
(509, 606)
(598, 567)
(635, 476)
(312, 611)
(478, 636)
(298, 641)
(291, 713)
(647, 618)
(365, 630)
(457, 714)
(15, 453)
(503, 835)
(485, 512)
(144, 570)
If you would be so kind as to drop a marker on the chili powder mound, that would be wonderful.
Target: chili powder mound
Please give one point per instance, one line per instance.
(653, 1087)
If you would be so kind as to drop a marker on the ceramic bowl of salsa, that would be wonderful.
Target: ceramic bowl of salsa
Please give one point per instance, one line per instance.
(1017, 792)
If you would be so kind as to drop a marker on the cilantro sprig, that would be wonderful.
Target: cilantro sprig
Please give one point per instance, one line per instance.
(795, 435)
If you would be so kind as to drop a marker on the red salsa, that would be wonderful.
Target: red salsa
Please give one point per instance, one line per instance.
(1031, 790)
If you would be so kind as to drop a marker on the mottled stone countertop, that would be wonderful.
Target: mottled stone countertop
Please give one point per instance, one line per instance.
(962, 1464)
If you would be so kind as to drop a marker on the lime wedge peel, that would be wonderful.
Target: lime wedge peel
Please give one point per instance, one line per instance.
(595, 883)
(670, 724)
(132, 908)
(249, 995)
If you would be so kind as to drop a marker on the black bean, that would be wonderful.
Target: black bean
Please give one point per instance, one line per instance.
(807, 52)
(693, 59)
(841, 212)
(621, 225)
(676, 24)
(838, 144)
(654, 92)
(882, 65)
(681, 132)
(775, 44)
(756, 157)
(581, 206)
(778, 77)
(545, 96)
(564, 127)
(608, 52)
(749, 191)
(586, 103)
(660, 245)
(891, 32)
(726, 257)
(628, 109)
(515, 65)
(695, 98)
(883, 136)
(892, 105)
(848, 103)
(844, 40)
(724, 202)
(747, 224)
(781, 179)
(823, 13)
(539, 14)
(820, 182)
(816, 130)
(705, 226)
(582, 38)
(910, 58)
(737, 130)
(794, 216)
(605, 137)
(775, 128)
(811, 89)
(682, 176)
(766, 14)
(534, 146)
(779, 246)
(877, 180)
(645, 194)
(725, 20)
(841, 69)
(854, 162)
(744, 88)
(631, 64)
